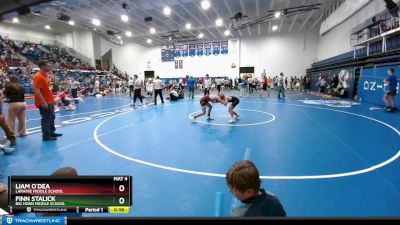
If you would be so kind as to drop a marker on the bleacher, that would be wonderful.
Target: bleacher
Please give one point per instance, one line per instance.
(393, 43)
(65, 64)
(34, 52)
(62, 53)
(8, 57)
(334, 60)
(362, 52)
(369, 44)
(375, 50)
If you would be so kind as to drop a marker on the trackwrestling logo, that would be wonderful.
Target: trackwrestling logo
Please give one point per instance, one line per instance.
(33, 220)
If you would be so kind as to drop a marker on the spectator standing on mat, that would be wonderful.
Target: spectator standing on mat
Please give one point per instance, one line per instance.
(391, 82)
(281, 88)
(17, 107)
(207, 85)
(74, 85)
(9, 133)
(137, 93)
(158, 86)
(191, 84)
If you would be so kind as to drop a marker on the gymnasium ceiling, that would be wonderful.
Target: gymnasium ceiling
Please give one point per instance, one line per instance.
(168, 27)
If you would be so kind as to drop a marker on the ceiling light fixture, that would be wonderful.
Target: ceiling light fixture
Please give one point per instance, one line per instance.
(275, 27)
(96, 22)
(219, 22)
(278, 14)
(71, 22)
(128, 33)
(227, 32)
(149, 41)
(124, 18)
(201, 36)
(152, 30)
(167, 11)
(205, 4)
(47, 27)
(15, 20)
(188, 26)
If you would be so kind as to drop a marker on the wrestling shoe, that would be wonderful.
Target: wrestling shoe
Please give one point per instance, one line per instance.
(7, 150)
(56, 135)
(233, 120)
(49, 138)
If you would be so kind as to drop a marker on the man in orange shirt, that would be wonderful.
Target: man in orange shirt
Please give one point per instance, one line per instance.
(45, 102)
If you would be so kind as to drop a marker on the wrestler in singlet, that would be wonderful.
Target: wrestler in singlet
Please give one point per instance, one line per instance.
(205, 100)
(235, 101)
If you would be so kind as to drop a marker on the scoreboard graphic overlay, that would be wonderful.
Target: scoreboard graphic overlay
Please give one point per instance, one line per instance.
(78, 194)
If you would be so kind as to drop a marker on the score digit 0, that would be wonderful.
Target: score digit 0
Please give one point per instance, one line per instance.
(121, 200)
(121, 188)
